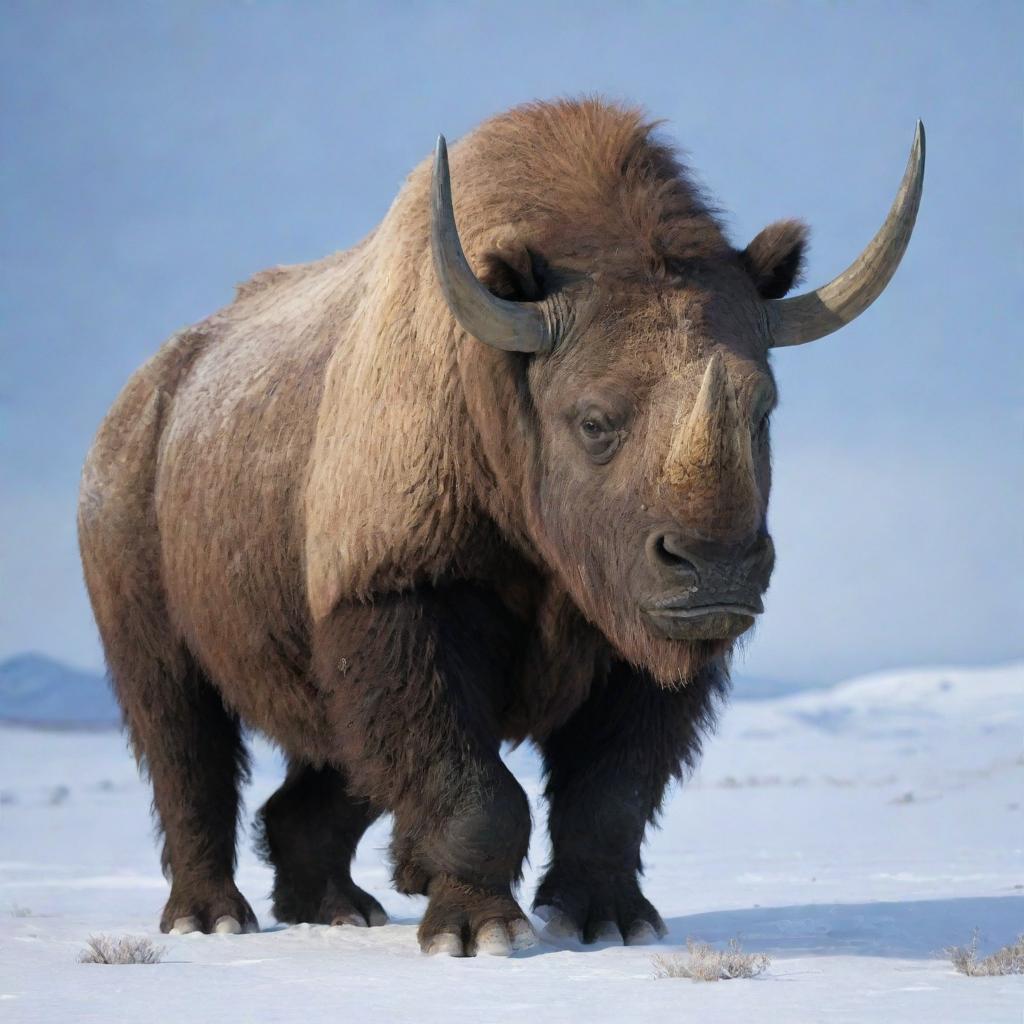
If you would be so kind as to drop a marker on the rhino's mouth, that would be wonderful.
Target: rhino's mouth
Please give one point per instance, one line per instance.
(724, 620)
(697, 611)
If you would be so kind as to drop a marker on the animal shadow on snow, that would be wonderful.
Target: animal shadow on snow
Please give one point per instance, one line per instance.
(912, 929)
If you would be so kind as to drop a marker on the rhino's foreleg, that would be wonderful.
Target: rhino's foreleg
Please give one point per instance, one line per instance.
(415, 684)
(608, 768)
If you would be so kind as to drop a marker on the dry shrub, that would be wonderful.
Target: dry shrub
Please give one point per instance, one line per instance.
(124, 949)
(1008, 960)
(702, 962)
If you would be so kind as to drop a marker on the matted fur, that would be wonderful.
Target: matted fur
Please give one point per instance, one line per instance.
(328, 513)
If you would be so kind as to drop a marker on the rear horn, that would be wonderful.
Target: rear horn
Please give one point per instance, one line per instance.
(812, 315)
(510, 326)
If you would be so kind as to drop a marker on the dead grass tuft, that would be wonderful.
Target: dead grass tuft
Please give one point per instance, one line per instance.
(1008, 960)
(702, 962)
(124, 949)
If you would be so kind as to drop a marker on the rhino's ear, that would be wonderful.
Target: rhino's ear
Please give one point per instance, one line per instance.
(775, 258)
(515, 273)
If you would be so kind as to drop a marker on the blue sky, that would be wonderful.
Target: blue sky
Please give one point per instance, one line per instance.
(154, 155)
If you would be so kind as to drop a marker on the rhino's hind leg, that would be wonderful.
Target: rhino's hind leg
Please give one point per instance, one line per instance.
(196, 761)
(192, 748)
(310, 830)
(181, 732)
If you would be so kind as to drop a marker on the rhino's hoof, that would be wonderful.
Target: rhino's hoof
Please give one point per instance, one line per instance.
(466, 920)
(591, 909)
(222, 911)
(361, 919)
(501, 938)
(558, 926)
(445, 944)
(495, 938)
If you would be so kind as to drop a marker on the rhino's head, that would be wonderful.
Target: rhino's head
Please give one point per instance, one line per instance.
(646, 401)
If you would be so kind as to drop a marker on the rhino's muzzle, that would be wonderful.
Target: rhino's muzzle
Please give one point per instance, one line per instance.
(695, 590)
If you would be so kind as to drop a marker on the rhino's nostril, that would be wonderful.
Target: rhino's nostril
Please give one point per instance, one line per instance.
(666, 551)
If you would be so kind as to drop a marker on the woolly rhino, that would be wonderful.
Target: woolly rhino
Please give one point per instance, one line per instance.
(498, 472)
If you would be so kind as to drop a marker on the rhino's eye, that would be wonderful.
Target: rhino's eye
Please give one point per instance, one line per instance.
(600, 437)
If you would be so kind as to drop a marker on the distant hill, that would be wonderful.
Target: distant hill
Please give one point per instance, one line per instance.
(38, 691)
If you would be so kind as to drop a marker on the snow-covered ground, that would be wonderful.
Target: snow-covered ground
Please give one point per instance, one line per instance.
(851, 833)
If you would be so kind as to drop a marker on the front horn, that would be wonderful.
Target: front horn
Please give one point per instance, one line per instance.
(510, 326)
(814, 314)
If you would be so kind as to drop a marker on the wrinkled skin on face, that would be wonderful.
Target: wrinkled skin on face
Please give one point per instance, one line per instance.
(651, 495)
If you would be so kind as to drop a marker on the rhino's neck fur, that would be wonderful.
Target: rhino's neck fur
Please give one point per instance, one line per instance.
(386, 497)
(423, 433)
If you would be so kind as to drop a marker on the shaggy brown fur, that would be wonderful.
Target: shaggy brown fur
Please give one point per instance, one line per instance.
(328, 513)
